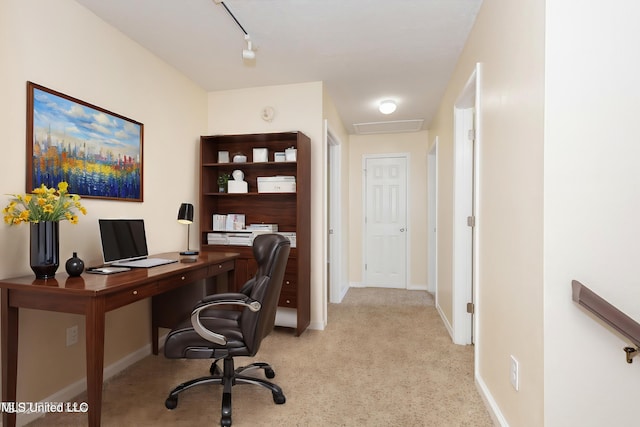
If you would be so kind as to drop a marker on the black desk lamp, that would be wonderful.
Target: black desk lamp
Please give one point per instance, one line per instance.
(185, 216)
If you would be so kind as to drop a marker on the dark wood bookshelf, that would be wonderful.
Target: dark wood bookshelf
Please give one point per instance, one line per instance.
(290, 211)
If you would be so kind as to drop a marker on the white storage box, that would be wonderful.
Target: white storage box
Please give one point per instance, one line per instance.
(277, 184)
(260, 155)
(291, 154)
(223, 157)
(237, 186)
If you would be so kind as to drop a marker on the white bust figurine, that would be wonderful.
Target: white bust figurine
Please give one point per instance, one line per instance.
(237, 185)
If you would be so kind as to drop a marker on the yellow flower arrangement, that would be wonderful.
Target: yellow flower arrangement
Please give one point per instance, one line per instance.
(44, 204)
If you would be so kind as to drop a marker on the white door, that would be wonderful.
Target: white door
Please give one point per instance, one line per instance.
(464, 222)
(466, 136)
(385, 228)
(338, 285)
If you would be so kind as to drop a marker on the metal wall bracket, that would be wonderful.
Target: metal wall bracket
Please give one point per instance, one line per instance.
(631, 353)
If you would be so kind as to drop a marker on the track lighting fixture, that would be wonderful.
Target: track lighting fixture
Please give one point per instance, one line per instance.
(247, 53)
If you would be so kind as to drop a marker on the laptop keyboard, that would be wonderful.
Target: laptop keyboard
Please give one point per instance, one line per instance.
(144, 263)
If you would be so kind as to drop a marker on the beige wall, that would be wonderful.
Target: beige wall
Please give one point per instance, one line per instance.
(508, 39)
(557, 202)
(298, 107)
(63, 46)
(416, 145)
(592, 200)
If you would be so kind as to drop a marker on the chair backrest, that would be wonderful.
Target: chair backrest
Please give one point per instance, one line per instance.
(271, 252)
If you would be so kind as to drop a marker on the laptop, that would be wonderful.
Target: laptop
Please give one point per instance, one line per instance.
(124, 244)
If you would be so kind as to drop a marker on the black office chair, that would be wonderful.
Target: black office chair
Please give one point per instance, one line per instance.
(215, 333)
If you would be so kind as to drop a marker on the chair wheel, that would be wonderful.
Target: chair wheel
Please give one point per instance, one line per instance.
(279, 399)
(269, 373)
(225, 421)
(171, 402)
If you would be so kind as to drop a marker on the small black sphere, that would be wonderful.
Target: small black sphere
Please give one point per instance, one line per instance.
(74, 265)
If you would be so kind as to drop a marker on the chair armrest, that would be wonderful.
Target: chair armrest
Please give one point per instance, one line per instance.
(231, 298)
(219, 299)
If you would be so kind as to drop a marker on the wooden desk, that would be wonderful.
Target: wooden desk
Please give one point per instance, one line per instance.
(93, 295)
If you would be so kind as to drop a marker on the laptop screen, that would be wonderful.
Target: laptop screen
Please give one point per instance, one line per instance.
(122, 239)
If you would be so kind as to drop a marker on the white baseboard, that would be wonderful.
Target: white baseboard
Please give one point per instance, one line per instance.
(318, 326)
(445, 321)
(490, 403)
(343, 292)
(72, 390)
(410, 287)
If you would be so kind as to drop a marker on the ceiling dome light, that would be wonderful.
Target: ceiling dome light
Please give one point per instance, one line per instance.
(387, 107)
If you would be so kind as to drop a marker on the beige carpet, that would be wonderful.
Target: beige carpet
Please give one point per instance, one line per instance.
(385, 359)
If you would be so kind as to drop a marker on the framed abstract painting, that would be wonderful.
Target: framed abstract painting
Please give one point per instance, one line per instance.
(97, 152)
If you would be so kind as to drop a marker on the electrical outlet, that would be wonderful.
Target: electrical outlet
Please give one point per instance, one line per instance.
(72, 335)
(514, 374)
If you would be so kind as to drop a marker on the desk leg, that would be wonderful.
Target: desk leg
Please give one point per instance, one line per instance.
(231, 281)
(154, 329)
(9, 356)
(94, 321)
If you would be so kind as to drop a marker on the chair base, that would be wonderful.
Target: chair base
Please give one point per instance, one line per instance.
(228, 378)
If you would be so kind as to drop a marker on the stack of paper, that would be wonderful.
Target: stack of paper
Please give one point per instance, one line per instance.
(263, 227)
(217, 239)
(240, 239)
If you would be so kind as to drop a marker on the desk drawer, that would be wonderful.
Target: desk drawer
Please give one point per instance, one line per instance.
(132, 295)
(290, 281)
(288, 299)
(181, 279)
(221, 267)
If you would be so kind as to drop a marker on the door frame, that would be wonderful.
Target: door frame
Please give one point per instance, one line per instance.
(466, 197)
(407, 157)
(338, 285)
(432, 219)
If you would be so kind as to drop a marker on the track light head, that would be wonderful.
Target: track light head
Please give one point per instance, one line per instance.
(248, 53)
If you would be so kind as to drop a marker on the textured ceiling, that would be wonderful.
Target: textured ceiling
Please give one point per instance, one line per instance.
(363, 50)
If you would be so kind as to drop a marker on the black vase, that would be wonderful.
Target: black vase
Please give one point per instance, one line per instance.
(74, 265)
(44, 248)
